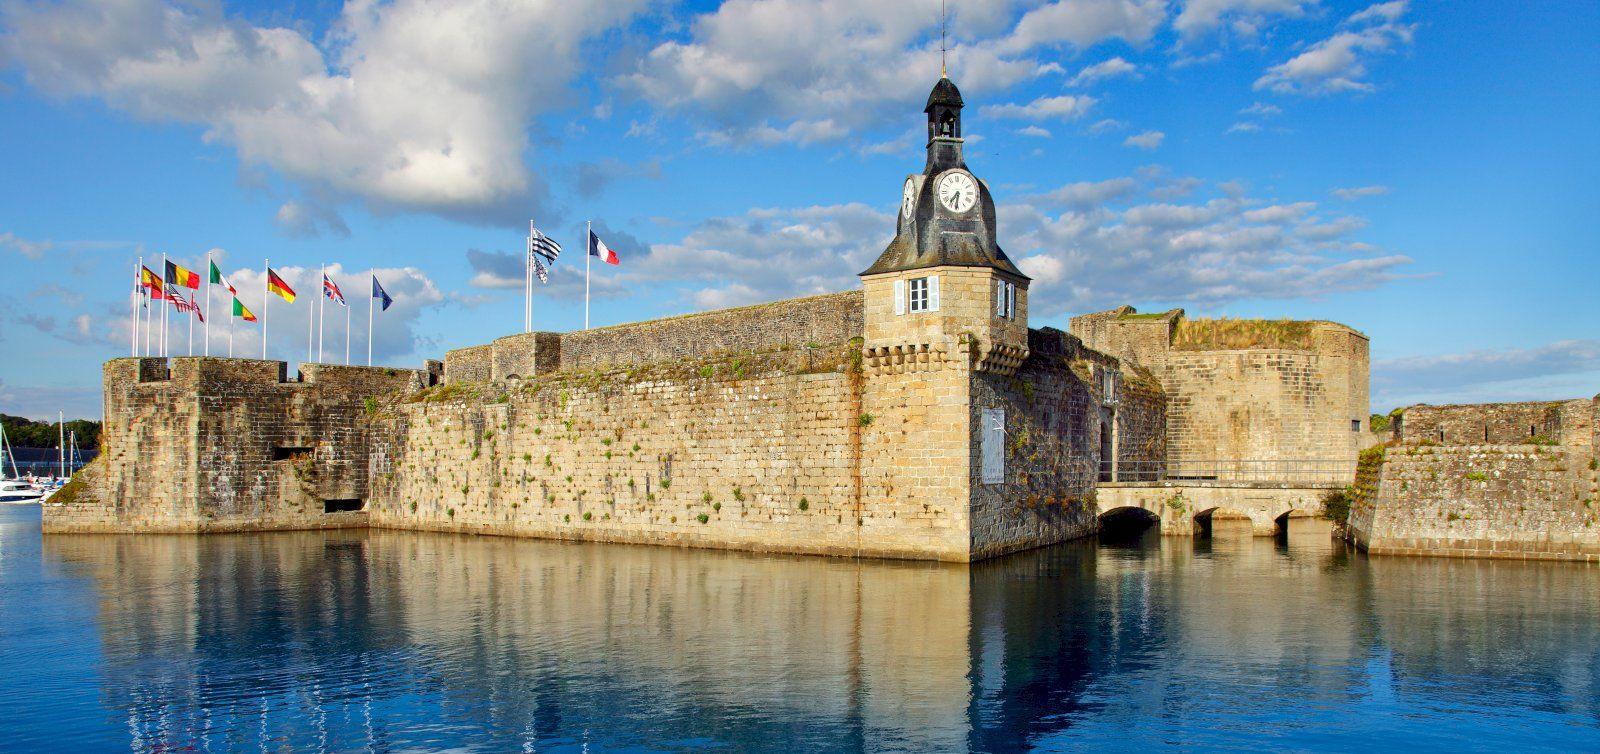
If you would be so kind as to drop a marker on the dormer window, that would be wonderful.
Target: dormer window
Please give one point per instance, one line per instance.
(1005, 299)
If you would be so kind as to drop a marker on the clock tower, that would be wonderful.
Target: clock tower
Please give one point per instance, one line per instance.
(943, 293)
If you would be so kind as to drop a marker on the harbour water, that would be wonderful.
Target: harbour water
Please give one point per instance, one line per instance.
(397, 641)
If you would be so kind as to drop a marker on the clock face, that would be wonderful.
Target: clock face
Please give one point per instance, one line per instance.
(958, 191)
(908, 198)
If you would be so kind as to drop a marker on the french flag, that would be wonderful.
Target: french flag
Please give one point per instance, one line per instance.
(598, 248)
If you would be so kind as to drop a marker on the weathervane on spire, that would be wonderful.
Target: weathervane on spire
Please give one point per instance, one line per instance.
(942, 70)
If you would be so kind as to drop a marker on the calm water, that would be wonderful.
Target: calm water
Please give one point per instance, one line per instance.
(389, 641)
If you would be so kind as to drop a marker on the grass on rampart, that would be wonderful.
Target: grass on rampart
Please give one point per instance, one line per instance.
(1228, 333)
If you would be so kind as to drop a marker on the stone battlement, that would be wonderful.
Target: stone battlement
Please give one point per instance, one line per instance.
(793, 323)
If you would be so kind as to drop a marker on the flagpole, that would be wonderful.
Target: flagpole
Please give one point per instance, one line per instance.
(230, 329)
(266, 278)
(347, 332)
(370, 291)
(527, 284)
(166, 288)
(138, 293)
(322, 319)
(309, 324)
(146, 321)
(190, 312)
(588, 251)
(208, 301)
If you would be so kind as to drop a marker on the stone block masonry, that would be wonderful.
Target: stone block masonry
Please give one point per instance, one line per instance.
(1531, 491)
(213, 444)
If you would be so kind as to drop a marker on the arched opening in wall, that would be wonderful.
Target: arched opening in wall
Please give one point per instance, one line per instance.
(1128, 525)
(346, 505)
(1224, 523)
(1302, 526)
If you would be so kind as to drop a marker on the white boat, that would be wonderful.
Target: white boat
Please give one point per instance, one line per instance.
(15, 492)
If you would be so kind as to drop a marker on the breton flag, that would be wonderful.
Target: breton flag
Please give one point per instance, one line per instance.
(331, 290)
(182, 276)
(379, 293)
(218, 279)
(542, 245)
(276, 285)
(152, 282)
(598, 248)
(242, 312)
(540, 270)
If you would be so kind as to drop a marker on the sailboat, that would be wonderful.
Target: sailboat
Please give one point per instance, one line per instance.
(13, 490)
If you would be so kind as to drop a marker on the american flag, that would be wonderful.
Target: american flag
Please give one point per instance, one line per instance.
(331, 290)
(539, 269)
(541, 245)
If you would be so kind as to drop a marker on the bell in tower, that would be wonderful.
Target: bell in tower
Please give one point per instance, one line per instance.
(944, 125)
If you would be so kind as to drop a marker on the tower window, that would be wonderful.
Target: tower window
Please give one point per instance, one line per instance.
(1005, 299)
(923, 294)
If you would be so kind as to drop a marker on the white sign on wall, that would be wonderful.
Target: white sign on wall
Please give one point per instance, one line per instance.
(993, 445)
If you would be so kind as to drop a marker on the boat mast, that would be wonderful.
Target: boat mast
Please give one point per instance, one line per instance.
(61, 442)
(6, 446)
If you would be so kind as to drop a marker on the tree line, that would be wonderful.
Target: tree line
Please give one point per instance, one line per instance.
(26, 433)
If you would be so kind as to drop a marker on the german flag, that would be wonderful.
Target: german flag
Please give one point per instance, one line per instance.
(152, 283)
(276, 285)
(241, 312)
(180, 275)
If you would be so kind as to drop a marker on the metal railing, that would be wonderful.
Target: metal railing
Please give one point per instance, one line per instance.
(1297, 471)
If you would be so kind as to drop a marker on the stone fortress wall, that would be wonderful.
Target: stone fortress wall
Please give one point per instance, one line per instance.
(1504, 480)
(790, 443)
(1247, 394)
(215, 444)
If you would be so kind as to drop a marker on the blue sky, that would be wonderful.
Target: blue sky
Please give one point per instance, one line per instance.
(1425, 172)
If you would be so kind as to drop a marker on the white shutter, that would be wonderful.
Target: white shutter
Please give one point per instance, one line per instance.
(999, 298)
(933, 293)
(1011, 299)
(899, 297)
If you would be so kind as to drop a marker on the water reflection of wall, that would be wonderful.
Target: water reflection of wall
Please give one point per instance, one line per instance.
(401, 639)
(1477, 631)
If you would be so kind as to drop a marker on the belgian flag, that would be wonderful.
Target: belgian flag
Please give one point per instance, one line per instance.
(183, 276)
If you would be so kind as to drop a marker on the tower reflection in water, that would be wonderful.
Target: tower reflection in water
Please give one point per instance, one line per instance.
(397, 640)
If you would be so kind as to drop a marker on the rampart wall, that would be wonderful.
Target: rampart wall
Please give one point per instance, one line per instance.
(1532, 491)
(213, 444)
(1282, 400)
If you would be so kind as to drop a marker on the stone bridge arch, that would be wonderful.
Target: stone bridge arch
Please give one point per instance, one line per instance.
(1126, 522)
(1181, 505)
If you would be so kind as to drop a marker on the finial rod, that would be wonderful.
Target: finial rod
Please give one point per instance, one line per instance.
(943, 71)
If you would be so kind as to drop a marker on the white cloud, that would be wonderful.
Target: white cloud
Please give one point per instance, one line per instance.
(416, 105)
(1099, 253)
(1338, 63)
(41, 402)
(1063, 107)
(1262, 110)
(304, 220)
(1086, 22)
(1034, 131)
(1244, 127)
(30, 249)
(1359, 192)
(1147, 140)
(1244, 17)
(1087, 193)
(1107, 125)
(1488, 375)
(1106, 69)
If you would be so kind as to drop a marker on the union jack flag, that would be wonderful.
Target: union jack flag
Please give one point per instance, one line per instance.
(331, 290)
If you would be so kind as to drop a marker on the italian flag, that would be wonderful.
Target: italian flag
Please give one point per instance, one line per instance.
(218, 279)
(240, 311)
(276, 285)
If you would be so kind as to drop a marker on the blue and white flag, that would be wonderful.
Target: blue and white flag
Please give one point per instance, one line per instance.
(540, 270)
